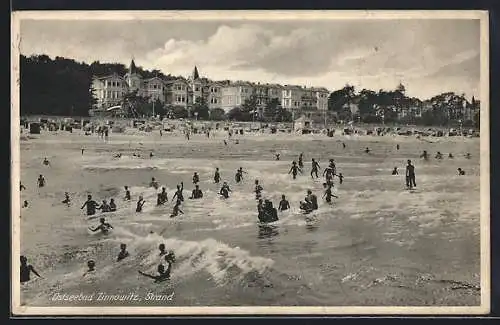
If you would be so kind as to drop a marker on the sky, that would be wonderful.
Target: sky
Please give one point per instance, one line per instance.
(429, 56)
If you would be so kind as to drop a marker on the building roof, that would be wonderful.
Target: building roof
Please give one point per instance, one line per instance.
(113, 75)
(195, 75)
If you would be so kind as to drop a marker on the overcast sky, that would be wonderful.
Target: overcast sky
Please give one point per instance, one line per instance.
(427, 56)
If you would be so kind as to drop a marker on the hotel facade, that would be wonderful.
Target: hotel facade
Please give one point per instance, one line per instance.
(110, 91)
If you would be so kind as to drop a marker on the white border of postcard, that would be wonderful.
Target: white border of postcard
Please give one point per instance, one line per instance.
(484, 306)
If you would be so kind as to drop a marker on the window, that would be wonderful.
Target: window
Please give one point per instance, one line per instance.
(197, 88)
(180, 99)
(213, 100)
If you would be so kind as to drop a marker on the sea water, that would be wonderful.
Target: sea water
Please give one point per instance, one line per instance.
(377, 244)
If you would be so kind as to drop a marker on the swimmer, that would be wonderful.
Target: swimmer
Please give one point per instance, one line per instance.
(162, 196)
(67, 199)
(176, 210)
(104, 206)
(91, 205)
(258, 189)
(397, 147)
(367, 150)
(104, 227)
(395, 171)
(224, 191)
(140, 204)
(313, 199)
(284, 204)
(314, 168)
(410, 175)
(225, 142)
(277, 156)
(21, 186)
(439, 155)
(178, 194)
(196, 193)
(83, 149)
(112, 205)
(127, 194)
(161, 247)
(343, 145)
(26, 270)
(294, 169)
(424, 155)
(46, 162)
(91, 267)
(153, 183)
(328, 193)
(260, 209)
(162, 274)
(151, 154)
(25, 204)
(450, 155)
(461, 172)
(467, 155)
(196, 178)
(41, 181)
(341, 178)
(216, 176)
(123, 252)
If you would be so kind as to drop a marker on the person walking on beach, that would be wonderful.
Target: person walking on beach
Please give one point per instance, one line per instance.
(294, 170)
(410, 176)
(216, 176)
(83, 149)
(41, 181)
(26, 270)
(91, 205)
(314, 168)
(140, 204)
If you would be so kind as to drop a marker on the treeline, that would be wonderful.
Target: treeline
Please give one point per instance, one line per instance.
(61, 86)
(394, 106)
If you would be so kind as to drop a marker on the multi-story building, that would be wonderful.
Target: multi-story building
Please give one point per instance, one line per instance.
(109, 90)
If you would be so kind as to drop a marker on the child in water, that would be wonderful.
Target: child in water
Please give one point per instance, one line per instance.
(104, 227)
(216, 176)
(123, 252)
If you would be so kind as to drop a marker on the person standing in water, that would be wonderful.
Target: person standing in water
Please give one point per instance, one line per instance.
(91, 205)
(314, 168)
(83, 149)
(301, 161)
(127, 194)
(328, 193)
(104, 207)
(258, 190)
(123, 252)
(312, 199)
(112, 205)
(41, 181)
(153, 183)
(178, 194)
(397, 146)
(343, 145)
(216, 176)
(196, 193)
(176, 210)
(424, 155)
(294, 170)
(224, 191)
(162, 250)
(461, 172)
(163, 195)
(163, 275)
(341, 178)
(410, 176)
(277, 156)
(284, 204)
(395, 171)
(140, 204)
(21, 186)
(104, 227)
(26, 269)
(46, 162)
(196, 178)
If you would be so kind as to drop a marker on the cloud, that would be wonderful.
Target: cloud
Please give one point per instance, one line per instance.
(429, 56)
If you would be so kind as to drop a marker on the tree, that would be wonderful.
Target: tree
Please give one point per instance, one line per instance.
(273, 110)
(201, 108)
(217, 114)
(178, 112)
(340, 98)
